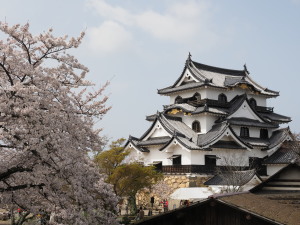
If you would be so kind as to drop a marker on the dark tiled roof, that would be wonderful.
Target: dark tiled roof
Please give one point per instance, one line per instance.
(154, 141)
(185, 107)
(284, 181)
(256, 141)
(184, 141)
(237, 178)
(219, 70)
(278, 137)
(206, 75)
(240, 121)
(227, 145)
(176, 126)
(265, 206)
(274, 117)
(285, 154)
(151, 117)
(134, 141)
(232, 80)
(216, 131)
(183, 87)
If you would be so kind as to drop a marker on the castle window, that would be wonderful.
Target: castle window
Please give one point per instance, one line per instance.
(253, 103)
(176, 159)
(196, 126)
(244, 132)
(222, 98)
(197, 96)
(178, 99)
(264, 133)
(210, 160)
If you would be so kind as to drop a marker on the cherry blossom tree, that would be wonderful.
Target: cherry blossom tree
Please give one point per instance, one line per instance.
(47, 116)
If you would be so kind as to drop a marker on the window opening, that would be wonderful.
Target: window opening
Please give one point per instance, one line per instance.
(178, 99)
(253, 102)
(264, 133)
(222, 98)
(244, 132)
(176, 159)
(196, 126)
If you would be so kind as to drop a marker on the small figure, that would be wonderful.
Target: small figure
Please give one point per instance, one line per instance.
(166, 205)
(141, 213)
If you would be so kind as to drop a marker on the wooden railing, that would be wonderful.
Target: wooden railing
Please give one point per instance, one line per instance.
(203, 169)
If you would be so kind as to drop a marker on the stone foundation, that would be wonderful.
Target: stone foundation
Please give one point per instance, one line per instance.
(184, 181)
(174, 182)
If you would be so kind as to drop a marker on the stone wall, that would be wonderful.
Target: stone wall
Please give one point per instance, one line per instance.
(183, 181)
(174, 182)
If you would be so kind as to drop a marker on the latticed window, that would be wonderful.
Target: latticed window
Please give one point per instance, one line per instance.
(222, 98)
(196, 126)
(264, 133)
(178, 99)
(244, 132)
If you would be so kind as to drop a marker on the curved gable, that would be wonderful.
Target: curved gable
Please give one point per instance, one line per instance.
(156, 130)
(186, 77)
(245, 111)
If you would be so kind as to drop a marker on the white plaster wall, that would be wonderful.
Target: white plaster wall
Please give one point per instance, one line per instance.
(197, 157)
(246, 112)
(234, 157)
(185, 155)
(156, 155)
(253, 131)
(272, 169)
(260, 100)
(185, 77)
(157, 131)
(206, 121)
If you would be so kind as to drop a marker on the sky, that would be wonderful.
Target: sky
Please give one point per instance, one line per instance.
(141, 46)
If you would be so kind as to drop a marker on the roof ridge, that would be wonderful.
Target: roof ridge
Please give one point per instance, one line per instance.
(219, 69)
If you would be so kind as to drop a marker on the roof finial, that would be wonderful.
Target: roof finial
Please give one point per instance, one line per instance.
(245, 69)
(189, 59)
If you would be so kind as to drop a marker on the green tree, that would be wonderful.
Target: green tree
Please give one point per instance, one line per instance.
(109, 160)
(127, 178)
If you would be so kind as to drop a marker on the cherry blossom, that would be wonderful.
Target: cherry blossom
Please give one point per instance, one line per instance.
(47, 129)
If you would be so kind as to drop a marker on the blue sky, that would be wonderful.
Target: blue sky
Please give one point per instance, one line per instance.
(141, 46)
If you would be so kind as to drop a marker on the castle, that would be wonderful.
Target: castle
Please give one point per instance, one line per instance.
(216, 118)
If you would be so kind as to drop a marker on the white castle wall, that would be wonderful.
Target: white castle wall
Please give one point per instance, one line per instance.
(214, 93)
(206, 121)
(197, 157)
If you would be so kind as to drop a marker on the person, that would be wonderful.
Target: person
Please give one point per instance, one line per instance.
(137, 215)
(166, 205)
(141, 213)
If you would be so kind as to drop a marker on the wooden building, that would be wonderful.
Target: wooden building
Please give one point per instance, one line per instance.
(274, 201)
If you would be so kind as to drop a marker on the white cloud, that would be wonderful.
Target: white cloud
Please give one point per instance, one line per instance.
(108, 37)
(110, 12)
(180, 22)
